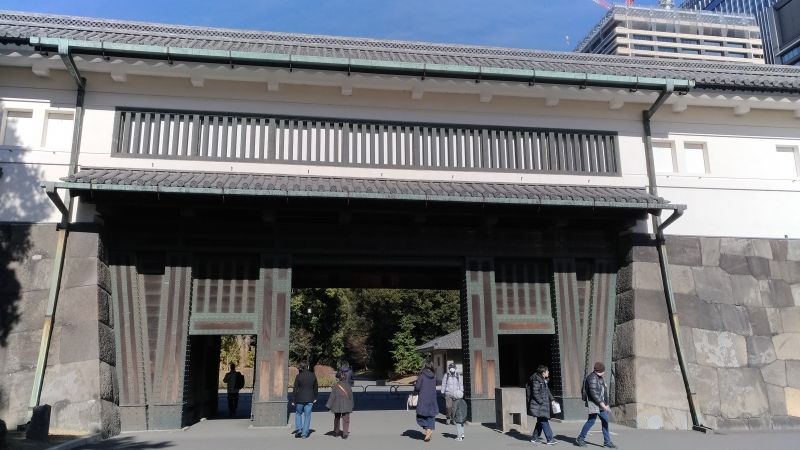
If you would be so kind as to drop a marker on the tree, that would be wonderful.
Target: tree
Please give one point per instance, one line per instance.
(406, 358)
(321, 313)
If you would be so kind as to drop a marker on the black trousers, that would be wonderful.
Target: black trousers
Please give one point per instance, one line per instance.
(233, 402)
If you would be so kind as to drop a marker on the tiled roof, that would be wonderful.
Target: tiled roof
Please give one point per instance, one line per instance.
(212, 183)
(706, 75)
(451, 341)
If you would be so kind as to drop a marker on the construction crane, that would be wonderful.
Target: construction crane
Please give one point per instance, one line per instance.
(607, 5)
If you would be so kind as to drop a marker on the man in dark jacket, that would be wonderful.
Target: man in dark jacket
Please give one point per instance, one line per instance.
(540, 399)
(305, 395)
(595, 394)
(234, 381)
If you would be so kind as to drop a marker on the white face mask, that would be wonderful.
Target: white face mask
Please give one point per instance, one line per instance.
(452, 370)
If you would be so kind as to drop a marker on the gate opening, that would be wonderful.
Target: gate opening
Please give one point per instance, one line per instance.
(521, 355)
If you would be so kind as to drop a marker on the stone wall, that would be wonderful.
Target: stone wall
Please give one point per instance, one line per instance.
(738, 303)
(79, 381)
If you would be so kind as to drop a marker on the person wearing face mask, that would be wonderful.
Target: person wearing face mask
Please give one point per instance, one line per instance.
(540, 401)
(452, 389)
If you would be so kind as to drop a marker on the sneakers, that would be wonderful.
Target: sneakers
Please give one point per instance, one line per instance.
(344, 435)
(609, 445)
(580, 442)
(460, 438)
(552, 442)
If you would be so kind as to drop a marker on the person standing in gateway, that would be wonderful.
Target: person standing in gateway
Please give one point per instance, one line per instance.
(595, 394)
(234, 381)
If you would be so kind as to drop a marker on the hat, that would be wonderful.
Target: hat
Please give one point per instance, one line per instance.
(599, 367)
(451, 366)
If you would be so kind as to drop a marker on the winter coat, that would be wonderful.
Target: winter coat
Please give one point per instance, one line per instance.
(341, 398)
(451, 383)
(425, 388)
(305, 387)
(539, 396)
(594, 392)
(460, 411)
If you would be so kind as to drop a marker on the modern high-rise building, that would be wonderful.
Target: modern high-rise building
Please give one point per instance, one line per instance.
(787, 18)
(675, 34)
(761, 9)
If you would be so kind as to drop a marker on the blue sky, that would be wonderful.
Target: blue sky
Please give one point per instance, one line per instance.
(539, 24)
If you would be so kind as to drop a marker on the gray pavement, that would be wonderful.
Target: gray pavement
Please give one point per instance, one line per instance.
(397, 429)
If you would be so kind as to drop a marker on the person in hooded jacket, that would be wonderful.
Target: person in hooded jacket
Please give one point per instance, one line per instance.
(452, 389)
(460, 413)
(347, 371)
(427, 404)
(340, 403)
(539, 400)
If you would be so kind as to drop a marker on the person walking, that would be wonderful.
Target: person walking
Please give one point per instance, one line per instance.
(595, 394)
(539, 401)
(427, 405)
(305, 391)
(340, 403)
(234, 382)
(452, 389)
(460, 412)
(347, 371)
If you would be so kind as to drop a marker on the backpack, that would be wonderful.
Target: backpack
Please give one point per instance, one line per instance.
(584, 396)
(239, 381)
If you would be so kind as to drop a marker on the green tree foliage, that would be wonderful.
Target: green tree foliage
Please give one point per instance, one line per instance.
(321, 315)
(406, 358)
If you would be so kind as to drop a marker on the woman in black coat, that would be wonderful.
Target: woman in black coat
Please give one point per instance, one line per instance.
(540, 399)
(427, 404)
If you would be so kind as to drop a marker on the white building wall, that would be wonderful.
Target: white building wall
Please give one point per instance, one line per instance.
(747, 190)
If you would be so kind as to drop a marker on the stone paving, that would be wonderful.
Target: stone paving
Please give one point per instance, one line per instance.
(387, 430)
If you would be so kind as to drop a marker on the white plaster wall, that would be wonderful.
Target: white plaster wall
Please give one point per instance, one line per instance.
(741, 149)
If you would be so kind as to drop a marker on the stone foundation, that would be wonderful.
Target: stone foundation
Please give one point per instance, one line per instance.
(79, 381)
(738, 303)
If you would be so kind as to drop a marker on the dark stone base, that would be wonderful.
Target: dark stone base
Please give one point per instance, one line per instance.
(39, 427)
(165, 417)
(133, 418)
(573, 409)
(271, 414)
(482, 410)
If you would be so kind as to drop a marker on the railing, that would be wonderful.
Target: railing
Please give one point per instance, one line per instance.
(296, 140)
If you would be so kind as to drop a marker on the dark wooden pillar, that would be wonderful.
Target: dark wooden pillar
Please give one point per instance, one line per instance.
(479, 338)
(272, 353)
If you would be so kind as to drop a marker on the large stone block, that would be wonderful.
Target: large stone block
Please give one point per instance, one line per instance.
(106, 382)
(687, 345)
(790, 319)
(710, 249)
(684, 251)
(796, 294)
(696, 313)
(746, 247)
(780, 249)
(30, 309)
(760, 351)
(788, 271)
(705, 383)
(681, 279)
(625, 279)
(793, 250)
(624, 380)
(22, 350)
(79, 342)
(774, 317)
(79, 272)
(664, 374)
(642, 337)
(641, 304)
(107, 349)
(734, 264)
(110, 419)
(777, 400)
(746, 290)
(652, 417)
(77, 304)
(746, 393)
(647, 276)
(759, 321)
(779, 294)
(774, 373)
(793, 402)
(787, 345)
(77, 417)
(793, 374)
(759, 267)
(734, 319)
(713, 284)
(785, 423)
(104, 307)
(720, 348)
(78, 382)
(82, 245)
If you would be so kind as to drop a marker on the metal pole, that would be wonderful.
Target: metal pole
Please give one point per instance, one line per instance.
(61, 243)
(663, 260)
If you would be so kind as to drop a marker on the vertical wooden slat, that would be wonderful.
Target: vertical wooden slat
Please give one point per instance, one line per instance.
(186, 119)
(136, 131)
(427, 146)
(127, 130)
(503, 150)
(147, 124)
(444, 143)
(235, 149)
(252, 123)
(156, 135)
(195, 141)
(214, 134)
(417, 147)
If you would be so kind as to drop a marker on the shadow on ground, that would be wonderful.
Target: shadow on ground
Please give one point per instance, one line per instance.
(129, 443)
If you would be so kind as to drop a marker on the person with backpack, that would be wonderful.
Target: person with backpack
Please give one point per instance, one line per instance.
(452, 389)
(340, 403)
(540, 400)
(234, 382)
(595, 394)
(460, 413)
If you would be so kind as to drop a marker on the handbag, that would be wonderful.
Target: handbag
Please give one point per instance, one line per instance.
(556, 407)
(412, 401)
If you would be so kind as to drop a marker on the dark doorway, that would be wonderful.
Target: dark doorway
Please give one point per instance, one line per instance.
(521, 354)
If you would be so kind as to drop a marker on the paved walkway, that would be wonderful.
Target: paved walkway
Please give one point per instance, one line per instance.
(389, 430)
